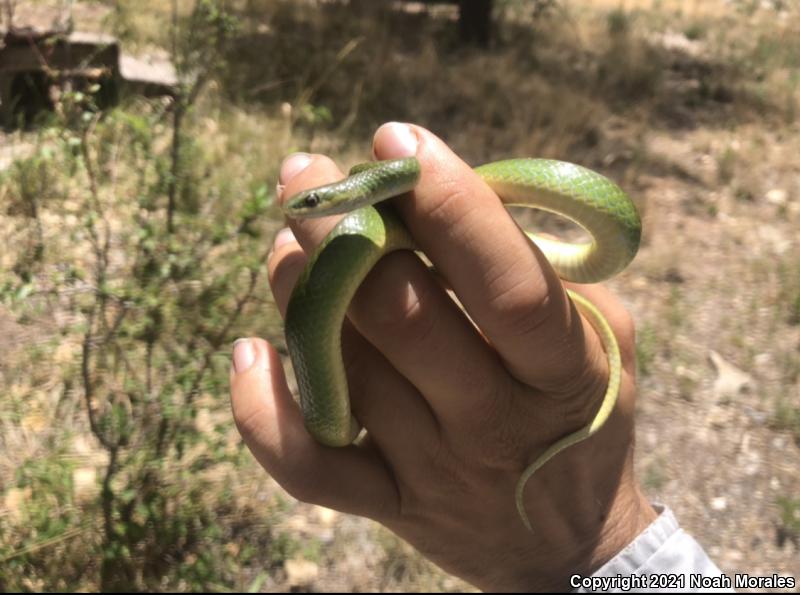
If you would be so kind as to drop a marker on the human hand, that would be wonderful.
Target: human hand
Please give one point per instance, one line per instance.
(455, 415)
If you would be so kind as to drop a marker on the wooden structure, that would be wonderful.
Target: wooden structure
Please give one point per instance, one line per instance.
(33, 63)
(37, 64)
(474, 19)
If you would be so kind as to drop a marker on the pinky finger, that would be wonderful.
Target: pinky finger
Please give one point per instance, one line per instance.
(271, 425)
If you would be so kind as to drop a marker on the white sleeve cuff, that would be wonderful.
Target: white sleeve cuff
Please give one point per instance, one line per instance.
(663, 558)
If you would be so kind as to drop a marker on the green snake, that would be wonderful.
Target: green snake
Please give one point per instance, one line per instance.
(371, 229)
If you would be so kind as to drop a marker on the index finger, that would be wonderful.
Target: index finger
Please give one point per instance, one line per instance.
(502, 279)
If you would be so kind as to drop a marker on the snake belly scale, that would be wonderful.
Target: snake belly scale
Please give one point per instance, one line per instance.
(371, 229)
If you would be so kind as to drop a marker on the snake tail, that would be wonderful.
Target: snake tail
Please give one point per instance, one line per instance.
(611, 346)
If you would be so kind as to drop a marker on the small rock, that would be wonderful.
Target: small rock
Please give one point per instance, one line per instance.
(66, 352)
(300, 572)
(773, 237)
(734, 556)
(720, 417)
(297, 523)
(684, 372)
(777, 196)
(203, 421)
(758, 417)
(753, 468)
(779, 443)
(84, 484)
(676, 41)
(730, 381)
(673, 275)
(81, 446)
(763, 361)
(233, 548)
(719, 503)
(325, 516)
(14, 502)
(34, 422)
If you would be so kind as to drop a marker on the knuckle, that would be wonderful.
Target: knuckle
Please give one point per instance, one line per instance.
(495, 415)
(449, 466)
(625, 329)
(581, 394)
(583, 388)
(453, 205)
(506, 434)
(523, 304)
(413, 317)
(399, 304)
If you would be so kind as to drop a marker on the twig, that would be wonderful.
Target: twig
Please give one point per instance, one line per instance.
(9, 12)
(309, 92)
(220, 337)
(43, 544)
(88, 383)
(172, 189)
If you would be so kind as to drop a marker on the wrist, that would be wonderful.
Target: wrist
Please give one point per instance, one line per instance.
(549, 566)
(628, 518)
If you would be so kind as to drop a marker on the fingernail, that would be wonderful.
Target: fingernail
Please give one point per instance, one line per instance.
(293, 165)
(243, 355)
(395, 140)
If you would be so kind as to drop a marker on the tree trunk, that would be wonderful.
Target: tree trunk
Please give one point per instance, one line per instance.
(475, 21)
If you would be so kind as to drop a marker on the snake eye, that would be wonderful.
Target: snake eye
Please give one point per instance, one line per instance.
(312, 200)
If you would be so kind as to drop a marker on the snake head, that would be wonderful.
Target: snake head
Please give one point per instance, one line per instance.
(303, 204)
(331, 199)
(369, 185)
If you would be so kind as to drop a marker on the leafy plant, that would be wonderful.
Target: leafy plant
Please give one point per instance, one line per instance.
(156, 272)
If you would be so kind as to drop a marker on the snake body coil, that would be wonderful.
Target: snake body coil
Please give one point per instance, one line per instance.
(370, 230)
